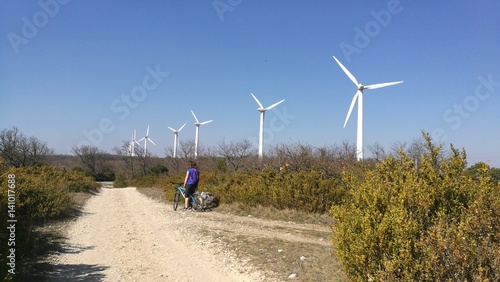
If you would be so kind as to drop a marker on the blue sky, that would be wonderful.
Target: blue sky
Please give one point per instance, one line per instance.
(80, 72)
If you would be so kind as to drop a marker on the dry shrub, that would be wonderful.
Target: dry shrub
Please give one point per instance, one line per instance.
(431, 222)
(307, 191)
(41, 194)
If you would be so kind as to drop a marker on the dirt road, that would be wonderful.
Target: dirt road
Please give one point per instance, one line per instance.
(126, 236)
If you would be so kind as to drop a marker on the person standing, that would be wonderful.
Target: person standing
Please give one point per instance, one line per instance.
(191, 183)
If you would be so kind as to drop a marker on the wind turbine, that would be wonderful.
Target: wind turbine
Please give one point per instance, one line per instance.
(176, 138)
(359, 96)
(146, 139)
(132, 145)
(197, 124)
(262, 111)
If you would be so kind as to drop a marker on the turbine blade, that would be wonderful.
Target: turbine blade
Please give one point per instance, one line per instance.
(351, 107)
(140, 139)
(257, 100)
(274, 105)
(205, 122)
(171, 128)
(181, 127)
(147, 132)
(353, 79)
(151, 141)
(380, 85)
(195, 118)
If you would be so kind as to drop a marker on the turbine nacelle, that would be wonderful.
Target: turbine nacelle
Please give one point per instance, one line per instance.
(176, 131)
(146, 139)
(196, 122)
(261, 107)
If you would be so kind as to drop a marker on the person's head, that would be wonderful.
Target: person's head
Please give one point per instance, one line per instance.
(192, 164)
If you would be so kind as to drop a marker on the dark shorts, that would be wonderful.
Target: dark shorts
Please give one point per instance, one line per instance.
(190, 189)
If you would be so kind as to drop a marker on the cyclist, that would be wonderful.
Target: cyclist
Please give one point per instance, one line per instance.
(191, 183)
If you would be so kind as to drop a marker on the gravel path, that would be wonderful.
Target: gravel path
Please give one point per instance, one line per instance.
(125, 236)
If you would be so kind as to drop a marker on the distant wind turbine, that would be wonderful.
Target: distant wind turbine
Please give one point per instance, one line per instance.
(176, 138)
(197, 124)
(262, 111)
(132, 145)
(146, 139)
(359, 96)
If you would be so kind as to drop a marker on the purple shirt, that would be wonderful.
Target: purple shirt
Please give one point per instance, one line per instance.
(193, 176)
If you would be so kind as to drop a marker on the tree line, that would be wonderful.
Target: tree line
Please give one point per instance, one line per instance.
(19, 150)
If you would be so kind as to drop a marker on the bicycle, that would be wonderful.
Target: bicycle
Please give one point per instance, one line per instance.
(196, 201)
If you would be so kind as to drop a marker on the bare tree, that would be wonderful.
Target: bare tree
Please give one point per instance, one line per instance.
(416, 150)
(131, 164)
(93, 161)
(236, 154)
(377, 151)
(187, 150)
(19, 150)
(347, 152)
(326, 160)
(398, 147)
(295, 156)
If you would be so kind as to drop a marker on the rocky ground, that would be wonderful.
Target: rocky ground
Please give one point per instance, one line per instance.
(127, 235)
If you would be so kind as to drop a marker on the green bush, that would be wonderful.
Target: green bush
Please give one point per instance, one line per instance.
(120, 181)
(78, 181)
(41, 194)
(307, 190)
(158, 169)
(431, 222)
(147, 180)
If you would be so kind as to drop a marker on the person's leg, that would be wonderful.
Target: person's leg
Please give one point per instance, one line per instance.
(189, 192)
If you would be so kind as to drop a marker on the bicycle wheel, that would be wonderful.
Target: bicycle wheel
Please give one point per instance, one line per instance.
(176, 199)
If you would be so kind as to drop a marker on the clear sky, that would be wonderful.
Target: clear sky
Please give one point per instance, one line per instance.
(92, 72)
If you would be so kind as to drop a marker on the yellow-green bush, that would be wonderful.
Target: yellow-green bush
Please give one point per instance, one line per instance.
(304, 190)
(431, 222)
(120, 181)
(147, 180)
(41, 193)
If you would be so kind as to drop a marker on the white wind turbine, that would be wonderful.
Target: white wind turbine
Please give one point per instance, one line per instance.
(176, 138)
(359, 96)
(132, 145)
(146, 139)
(262, 111)
(197, 124)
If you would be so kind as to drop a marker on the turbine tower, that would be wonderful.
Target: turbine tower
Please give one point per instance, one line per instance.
(197, 124)
(262, 111)
(176, 138)
(359, 97)
(146, 139)
(132, 145)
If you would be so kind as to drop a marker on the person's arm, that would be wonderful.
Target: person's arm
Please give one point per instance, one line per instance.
(186, 179)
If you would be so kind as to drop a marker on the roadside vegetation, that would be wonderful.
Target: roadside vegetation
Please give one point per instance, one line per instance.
(414, 212)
